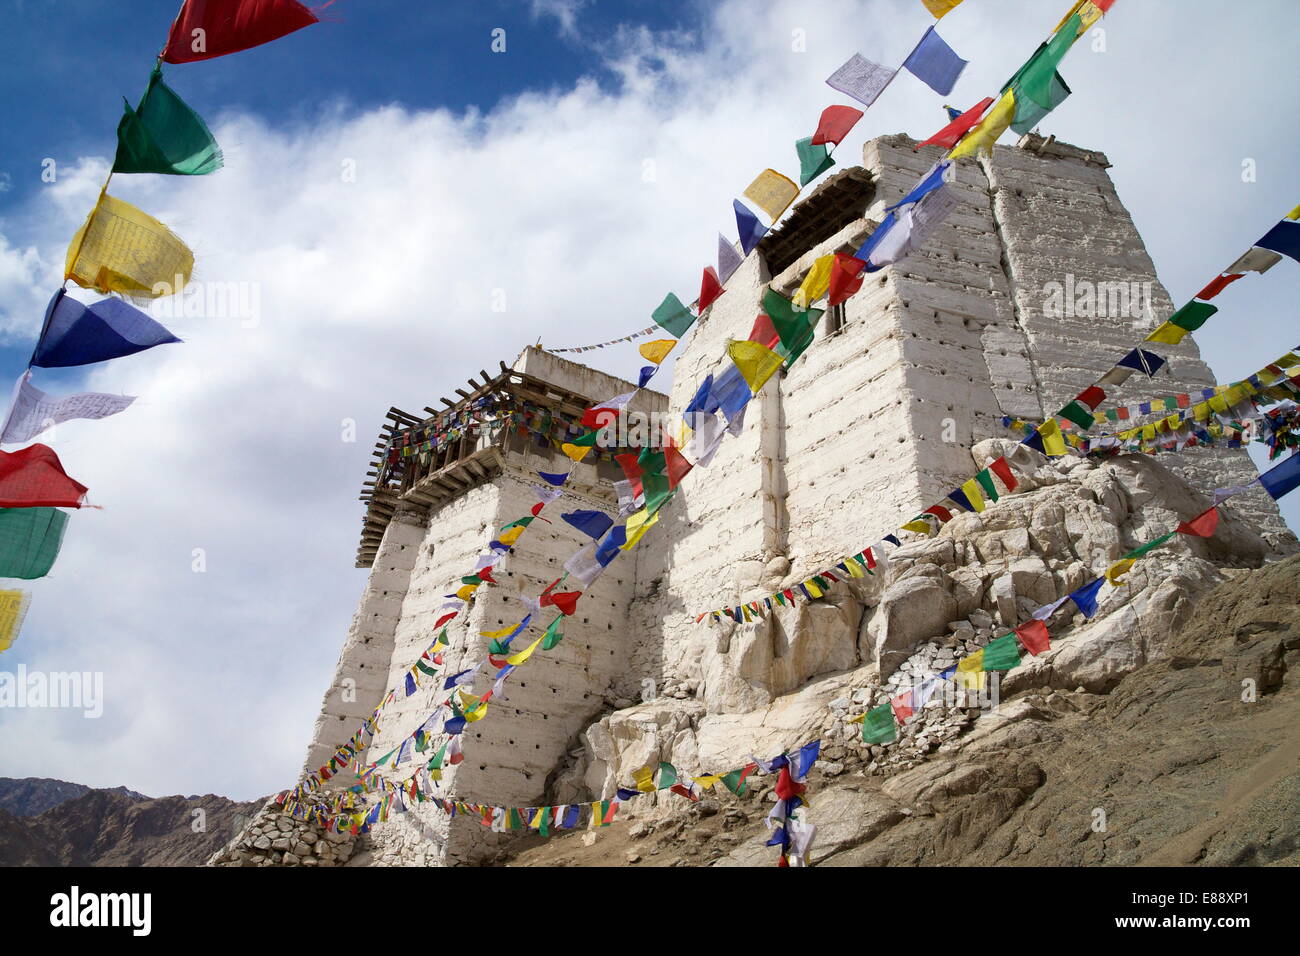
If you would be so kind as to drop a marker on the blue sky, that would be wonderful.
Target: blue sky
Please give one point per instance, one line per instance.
(478, 171)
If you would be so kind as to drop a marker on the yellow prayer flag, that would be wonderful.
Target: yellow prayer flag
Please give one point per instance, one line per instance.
(1149, 432)
(919, 525)
(855, 569)
(637, 525)
(755, 362)
(1089, 13)
(644, 779)
(938, 8)
(772, 193)
(1116, 571)
(1050, 433)
(504, 632)
(121, 249)
(1167, 334)
(1173, 421)
(466, 591)
(707, 781)
(511, 535)
(812, 587)
(1294, 213)
(526, 653)
(1219, 403)
(1201, 411)
(970, 671)
(815, 284)
(985, 134)
(576, 452)
(657, 350)
(1235, 394)
(13, 608)
(972, 491)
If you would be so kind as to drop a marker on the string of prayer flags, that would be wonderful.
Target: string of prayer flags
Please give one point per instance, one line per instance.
(29, 541)
(13, 610)
(32, 477)
(748, 226)
(958, 127)
(835, 123)
(757, 363)
(210, 28)
(729, 259)
(772, 193)
(934, 63)
(861, 79)
(814, 159)
(119, 248)
(672, 316)
(600, 345)
(32, 411)
(76, 334)
(163, 135)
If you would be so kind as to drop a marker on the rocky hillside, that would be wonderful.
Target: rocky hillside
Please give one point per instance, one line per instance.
(28, 796)
(1160, 731)
(113, 828)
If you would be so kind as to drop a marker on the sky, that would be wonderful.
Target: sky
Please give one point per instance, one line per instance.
(388, 180)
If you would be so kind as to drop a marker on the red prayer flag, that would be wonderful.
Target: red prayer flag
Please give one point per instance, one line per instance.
(943, 514)
(948, 136)
(676, 465)
(1218, 285)
(628, 462)
(1203, 525)
(485, 574)
(678, 789)
(902, 706)
(566, 601)
(710, 288)
(208, 28)
(1092, 396)
(786, 786)
(443, 620)
(1003, 471)
(1033, 636)
(764, 332)
(835, 124)
(846, 277)
(32, 477)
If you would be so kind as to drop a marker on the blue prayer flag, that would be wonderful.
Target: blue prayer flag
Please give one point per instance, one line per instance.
(747, 224)
(1283, 238)
(1085, 599)
(554, 478)
(593, 523)
(1282, 478)
(934, 63)
(75, 334)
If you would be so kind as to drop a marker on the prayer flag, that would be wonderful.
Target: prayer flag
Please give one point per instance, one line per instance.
(1034, 636)
(970, 671)
(934, 63)
(1283, 238)
(593, 523)
(672, 316)
(861, 79)
(959, 127)
(710, 289)
(33, 411)
(32, 477)
(1282, 478)
(656, 351)
(835, 123)
(756, 363)
(1193, 315)
(1116, 572)
(815, 283)
(29, 541)
(1002, 653)
(938, 8)
(986, 132)
(772, 193)
(813, 160)
(209, 28)
(1218, 285)
(1085, 598)
(748, 227)
(1202, 525)
(972, 491)
(121, 249)
(13, 609)
(846, 278)
(1256, 260)
(729, 259)
(987, 484)
(163, 135)
(878, 725)
(75, 334)
(1053, 442)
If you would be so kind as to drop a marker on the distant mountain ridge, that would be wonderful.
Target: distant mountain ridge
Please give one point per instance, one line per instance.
(83, 826)
(30, 796)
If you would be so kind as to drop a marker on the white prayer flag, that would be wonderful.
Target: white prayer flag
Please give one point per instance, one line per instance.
(33, 411)
(861, 79)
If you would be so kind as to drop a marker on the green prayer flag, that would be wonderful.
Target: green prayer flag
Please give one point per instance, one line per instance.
(672, 316)
(29, 541)
(1034, 80)
(1002, 654)
(1149, 546)
(1193, 315)
(986, 482)
(553, 635)
(656, 490)
(544, 826)
(471, 579)
(667, 776)
(1078, 414)
(436, 762)
(585, 441)
(519, 523)
(878, 726)
(813, 160)
(1029, 114)
(651, 462)
(163, 135)
(794, 328)
(735, 782)
(424, 668)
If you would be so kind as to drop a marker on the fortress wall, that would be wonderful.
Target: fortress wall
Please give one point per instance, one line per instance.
(361, 676)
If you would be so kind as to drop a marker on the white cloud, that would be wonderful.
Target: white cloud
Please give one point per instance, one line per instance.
(377, 292)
